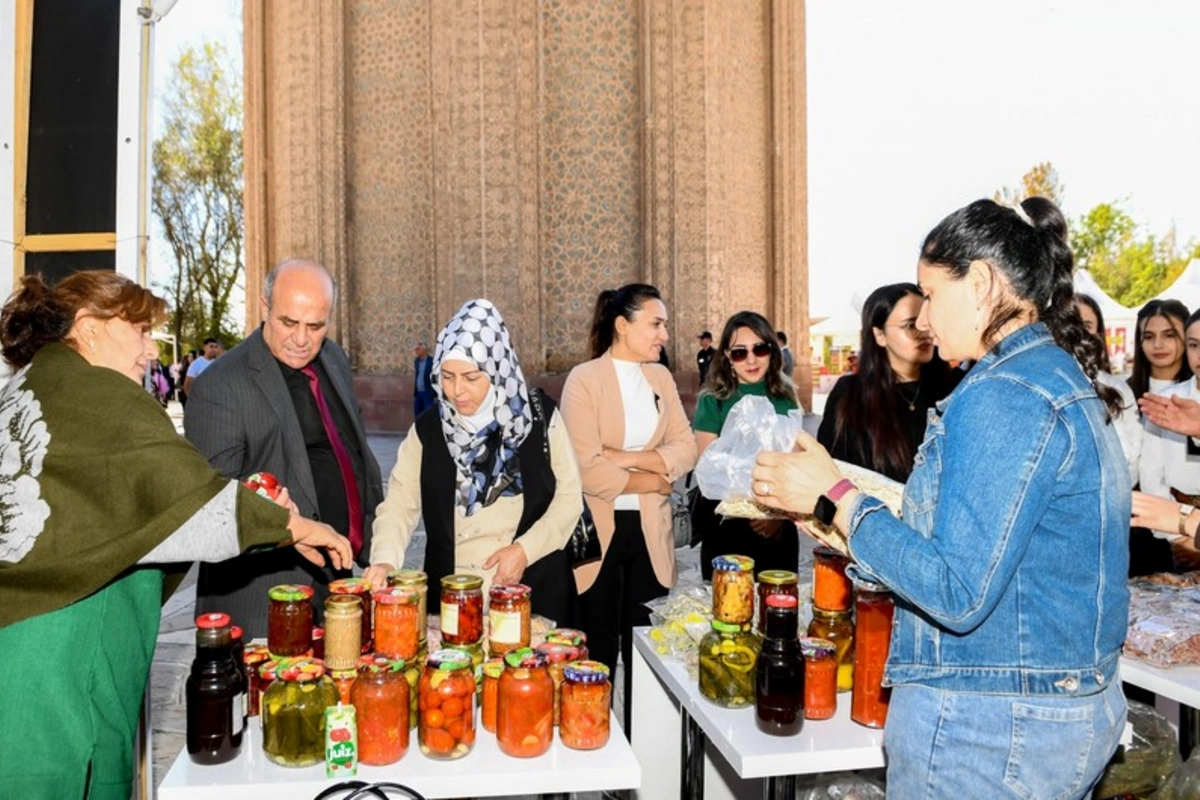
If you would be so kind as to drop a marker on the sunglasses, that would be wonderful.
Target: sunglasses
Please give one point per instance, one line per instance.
(741, 352)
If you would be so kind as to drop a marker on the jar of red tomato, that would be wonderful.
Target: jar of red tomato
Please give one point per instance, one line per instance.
(557, 657)
(446, 699)
(462, 609)
(360, 588)
(586, 696)
(525, 705)
(509, 614)
(289, 621)
(380, 697)
(396, 626)
(873, 609)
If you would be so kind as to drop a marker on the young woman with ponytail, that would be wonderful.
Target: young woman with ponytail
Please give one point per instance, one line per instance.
(1009, 567)
(632, 441)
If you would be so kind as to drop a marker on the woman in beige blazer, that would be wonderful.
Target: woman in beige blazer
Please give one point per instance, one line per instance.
(632, 441)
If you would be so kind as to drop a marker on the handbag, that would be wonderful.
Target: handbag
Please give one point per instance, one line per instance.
(683, 504)
(361, 790)
(583, 546)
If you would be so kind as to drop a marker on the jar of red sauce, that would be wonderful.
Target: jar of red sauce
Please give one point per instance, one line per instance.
(509, 615)
(525, 705)
(380, 697)
(873, 610)
(415, 581)
(586, 696)
(557, 657)
(820, 678)
(446, 699)
(289, 621)
(396, 622)
(462, 609)
(773, 582)
(360, 588)
(832, 590)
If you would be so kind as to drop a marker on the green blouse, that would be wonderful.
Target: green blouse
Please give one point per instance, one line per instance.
(711, 412)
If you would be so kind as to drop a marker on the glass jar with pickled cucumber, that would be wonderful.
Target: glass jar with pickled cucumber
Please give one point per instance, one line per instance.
(293, 713)
(728, 657)
(733, 589)
(837, 627)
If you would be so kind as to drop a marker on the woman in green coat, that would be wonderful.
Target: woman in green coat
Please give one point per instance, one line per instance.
(97, 495)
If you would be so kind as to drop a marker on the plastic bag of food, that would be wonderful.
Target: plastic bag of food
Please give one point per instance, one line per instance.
(1164, 621)
(680, 620)
(723, 472)
(1143, 766)
(1184, 784)
(860, 785)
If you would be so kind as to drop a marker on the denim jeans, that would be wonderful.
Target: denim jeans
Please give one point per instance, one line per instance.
(959, 745)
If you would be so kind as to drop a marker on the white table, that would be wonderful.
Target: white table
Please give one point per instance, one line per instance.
(666, 703)
(1181, 684)
(484, 772)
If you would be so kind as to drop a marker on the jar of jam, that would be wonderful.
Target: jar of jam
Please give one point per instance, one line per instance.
(733, 589)
(820, 678)
(837, 627)
(525, 705)
(509, 613)
(586, 697)
(446, 699)
(396, 612)
(577, 639)
(380, 698)
(493, 668)
(771, 582)
(361, 589)
(344, 679)
(255, 656)
(873, 610)
(557, 657)
(343, 631)
(293, 713)
(831, 585)
(728, 656)
(415, 581)
(290, 621)
(462, 609)
(779, 679)
(317, 650)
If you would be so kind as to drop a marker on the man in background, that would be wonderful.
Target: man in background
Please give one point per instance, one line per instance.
(704, 358)
(789, 360)
(422, 379)
(212, 349)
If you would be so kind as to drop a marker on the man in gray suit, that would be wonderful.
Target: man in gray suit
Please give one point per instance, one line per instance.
(283, 402)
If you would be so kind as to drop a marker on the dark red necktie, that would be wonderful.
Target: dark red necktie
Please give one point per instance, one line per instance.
(345, 465)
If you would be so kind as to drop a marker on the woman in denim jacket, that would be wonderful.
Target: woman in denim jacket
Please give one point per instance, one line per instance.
(1009, 567)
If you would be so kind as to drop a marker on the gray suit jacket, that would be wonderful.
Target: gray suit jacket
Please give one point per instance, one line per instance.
(240, 415)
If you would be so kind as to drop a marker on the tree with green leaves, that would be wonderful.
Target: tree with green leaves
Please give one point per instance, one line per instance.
(1040, 181)
(197, 193)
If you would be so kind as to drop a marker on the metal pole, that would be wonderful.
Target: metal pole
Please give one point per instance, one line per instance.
(691, 759)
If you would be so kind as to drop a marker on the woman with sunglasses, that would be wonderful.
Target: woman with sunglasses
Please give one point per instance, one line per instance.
(748, 363)
(875, 418)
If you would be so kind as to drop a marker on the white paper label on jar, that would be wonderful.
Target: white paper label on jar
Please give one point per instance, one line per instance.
(239, 703)
(450, 619)
(505, 626)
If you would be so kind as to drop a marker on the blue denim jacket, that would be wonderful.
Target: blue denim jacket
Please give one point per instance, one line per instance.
(1010, 565)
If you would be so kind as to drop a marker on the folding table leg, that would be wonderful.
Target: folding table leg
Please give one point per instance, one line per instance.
(691, 776)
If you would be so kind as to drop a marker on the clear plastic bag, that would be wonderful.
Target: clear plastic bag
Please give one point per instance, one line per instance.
(680, 620)
(1141, 767)
(1184, 783)
(752, 426)
(1164, 620)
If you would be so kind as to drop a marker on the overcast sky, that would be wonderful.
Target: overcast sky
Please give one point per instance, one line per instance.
(917, 107)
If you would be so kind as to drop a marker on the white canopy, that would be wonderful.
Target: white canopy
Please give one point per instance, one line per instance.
(1086, 284)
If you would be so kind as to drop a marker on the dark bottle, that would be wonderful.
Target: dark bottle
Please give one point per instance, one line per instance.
(214, 705)
(238, 652)
(779, 682)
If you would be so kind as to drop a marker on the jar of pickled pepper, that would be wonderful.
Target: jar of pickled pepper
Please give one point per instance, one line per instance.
(728, 657)
(557, 657)
(772, 582)
(837, 627)
(343, 631)
(446, 699)
(493, 668)
(462, 609)
(255, 656)
(733, 589)
(396, 626)
(289, 621)
(293, 713)
(361, 589)
(415, 581)
(509, 614)
(820, 678)
(344, 679)
(831, 586)
(873, 610)
(577, 639)
(525, 705)
(380, 698)
(586, 696)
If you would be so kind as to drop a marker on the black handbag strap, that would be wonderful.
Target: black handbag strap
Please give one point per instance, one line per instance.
(360, 790)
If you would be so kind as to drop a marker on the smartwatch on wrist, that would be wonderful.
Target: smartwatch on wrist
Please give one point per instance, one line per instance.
(826, 508)
(1185, 511)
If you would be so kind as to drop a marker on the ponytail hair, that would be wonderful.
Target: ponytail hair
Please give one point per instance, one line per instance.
(37, 315)
(1027, 244)
(613, 303)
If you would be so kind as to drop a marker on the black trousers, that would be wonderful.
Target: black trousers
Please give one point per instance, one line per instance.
(721, 537)
(613, 606)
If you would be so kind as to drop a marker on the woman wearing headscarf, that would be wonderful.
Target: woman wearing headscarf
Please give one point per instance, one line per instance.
(490, 468)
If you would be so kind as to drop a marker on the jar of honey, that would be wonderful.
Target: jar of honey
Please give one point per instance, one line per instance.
(525, 705)
(832, 590)
(289, 621)
(360, 588)
(586, 696)
(733, 589)
(837, 627)
(509, 614)
(380, 697)
(462, 609)
(396, 627)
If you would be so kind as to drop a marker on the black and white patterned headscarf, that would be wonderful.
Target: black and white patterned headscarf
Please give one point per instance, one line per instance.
(486, 459)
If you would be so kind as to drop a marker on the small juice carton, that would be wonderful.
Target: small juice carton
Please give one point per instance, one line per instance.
(341, 742)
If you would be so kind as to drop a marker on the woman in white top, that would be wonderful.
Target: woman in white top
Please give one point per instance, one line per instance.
(1168, 471)
(632, 441)
(1128, 422)
(1158, 359)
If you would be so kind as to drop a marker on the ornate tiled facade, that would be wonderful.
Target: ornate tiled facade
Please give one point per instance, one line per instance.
(533, 152)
